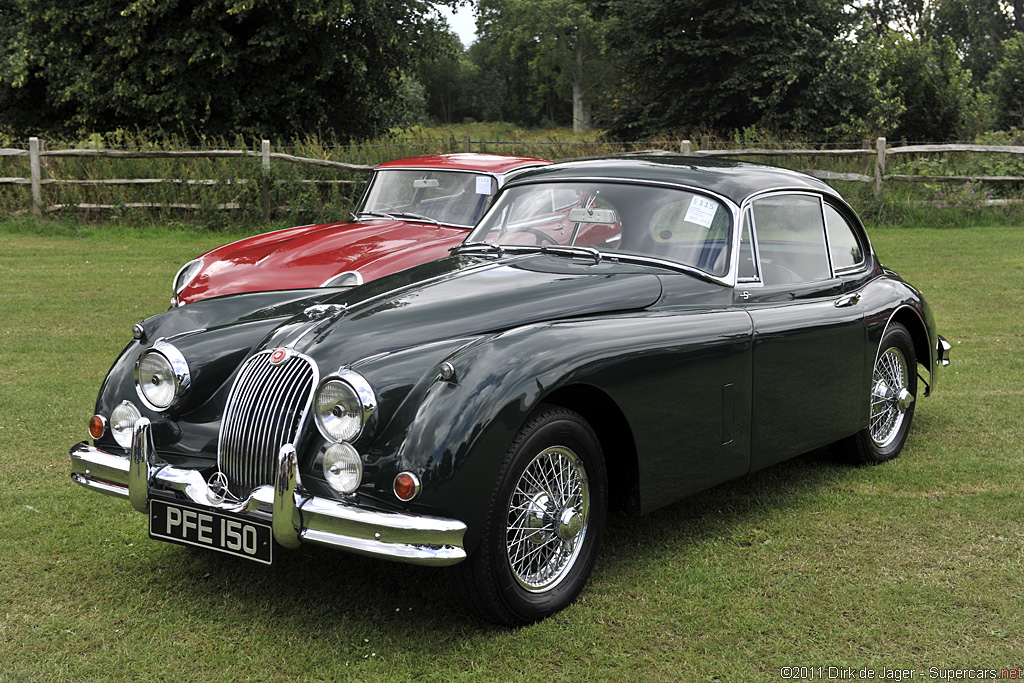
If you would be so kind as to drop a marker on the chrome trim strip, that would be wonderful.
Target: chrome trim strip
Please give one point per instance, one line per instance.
(413, 539)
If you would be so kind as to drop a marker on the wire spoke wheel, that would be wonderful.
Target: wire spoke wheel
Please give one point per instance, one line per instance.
(890, 396)
(547, 520)
(544, 522)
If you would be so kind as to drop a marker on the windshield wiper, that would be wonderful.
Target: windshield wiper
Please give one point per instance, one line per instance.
(566, 250)
(379, 214)
(478, 246)
(415, 216)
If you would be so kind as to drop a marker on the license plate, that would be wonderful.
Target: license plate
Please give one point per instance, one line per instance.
(210, 529)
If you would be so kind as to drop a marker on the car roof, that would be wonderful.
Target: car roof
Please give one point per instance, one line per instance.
(486, 163)
(735, 180)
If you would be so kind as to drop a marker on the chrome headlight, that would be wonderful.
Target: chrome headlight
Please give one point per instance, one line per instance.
(185, 275)
(161, 376)
(344, 405)
(343, 468)
(122, 423)
(350, 278)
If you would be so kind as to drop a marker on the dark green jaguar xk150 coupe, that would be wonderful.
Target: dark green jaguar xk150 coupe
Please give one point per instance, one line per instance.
(614, 335)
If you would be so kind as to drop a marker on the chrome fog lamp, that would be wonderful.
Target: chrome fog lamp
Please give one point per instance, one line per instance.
(161, 376)
(122, 423)
(344, 404)
(343, 468)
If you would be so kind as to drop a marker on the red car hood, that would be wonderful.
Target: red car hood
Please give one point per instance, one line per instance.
(309, 256)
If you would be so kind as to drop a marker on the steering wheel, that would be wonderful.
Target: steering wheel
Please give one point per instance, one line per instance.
(541, 237)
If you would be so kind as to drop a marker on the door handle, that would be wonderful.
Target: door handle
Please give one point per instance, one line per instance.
(848, 300)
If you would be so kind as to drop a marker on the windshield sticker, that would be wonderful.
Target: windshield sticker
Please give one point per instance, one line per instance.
(702, 211)
(483, 184)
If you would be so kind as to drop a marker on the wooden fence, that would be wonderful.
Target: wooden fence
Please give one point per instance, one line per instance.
(876, 153)
(36, 153)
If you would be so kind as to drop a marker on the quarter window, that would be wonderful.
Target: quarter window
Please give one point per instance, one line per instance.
(842, 240)
(748, 260)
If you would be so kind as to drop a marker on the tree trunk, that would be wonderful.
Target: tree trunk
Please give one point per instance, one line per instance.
(579, 115)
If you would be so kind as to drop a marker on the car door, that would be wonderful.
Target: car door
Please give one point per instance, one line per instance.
(808, 331)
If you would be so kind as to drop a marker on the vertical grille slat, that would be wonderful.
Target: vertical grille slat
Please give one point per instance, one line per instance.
(266, 408)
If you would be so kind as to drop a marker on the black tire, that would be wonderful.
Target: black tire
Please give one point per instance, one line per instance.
(561, 526)
(892, 401)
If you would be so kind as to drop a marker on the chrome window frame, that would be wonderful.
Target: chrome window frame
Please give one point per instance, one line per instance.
(748, 204)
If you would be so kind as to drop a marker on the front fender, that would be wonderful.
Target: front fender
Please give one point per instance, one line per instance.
(457, 433)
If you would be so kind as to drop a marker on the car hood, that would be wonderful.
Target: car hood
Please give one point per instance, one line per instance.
(458, 297)
(310, 255)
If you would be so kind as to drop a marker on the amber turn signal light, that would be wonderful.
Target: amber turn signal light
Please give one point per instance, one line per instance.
(406, 486)
(97, 426)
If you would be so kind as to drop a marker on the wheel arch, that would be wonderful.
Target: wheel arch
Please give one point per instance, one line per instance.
(615, 435)
(915, 325)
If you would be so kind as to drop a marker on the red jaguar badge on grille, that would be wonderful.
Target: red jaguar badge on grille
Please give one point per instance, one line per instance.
(279, 356)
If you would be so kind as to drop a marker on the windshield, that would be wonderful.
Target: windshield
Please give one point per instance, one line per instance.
(616, 218)
(449, 197)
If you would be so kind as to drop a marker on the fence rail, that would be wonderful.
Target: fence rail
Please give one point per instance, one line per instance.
(875, 154)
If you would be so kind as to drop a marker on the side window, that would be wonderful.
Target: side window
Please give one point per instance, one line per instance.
(791, 239)
(842, 240)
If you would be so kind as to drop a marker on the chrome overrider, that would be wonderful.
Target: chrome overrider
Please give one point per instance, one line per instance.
(295, 517)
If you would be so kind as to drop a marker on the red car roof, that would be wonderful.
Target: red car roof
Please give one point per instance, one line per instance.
(488, 163)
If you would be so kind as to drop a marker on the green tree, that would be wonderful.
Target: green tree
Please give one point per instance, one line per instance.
(701, 64)
(855, 101)
(976, 27)
(940, 102)
(221, 67)
(1006, 83)
(557, 45)
(903, 16)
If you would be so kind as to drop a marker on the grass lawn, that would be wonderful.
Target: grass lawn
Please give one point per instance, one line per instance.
(915, 564)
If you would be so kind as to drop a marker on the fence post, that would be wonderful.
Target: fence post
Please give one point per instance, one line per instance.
(265, 158)
(684, 147)
(879, 166)
(705, 142)
(465, 143)
(33, 163)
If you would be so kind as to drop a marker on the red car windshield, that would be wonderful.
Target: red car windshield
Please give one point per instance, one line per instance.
(457, 198)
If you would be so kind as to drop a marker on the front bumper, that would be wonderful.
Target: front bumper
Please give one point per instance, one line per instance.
(942, 350)
(296, 517)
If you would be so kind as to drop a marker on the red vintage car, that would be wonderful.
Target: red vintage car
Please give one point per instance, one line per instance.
(413, 211)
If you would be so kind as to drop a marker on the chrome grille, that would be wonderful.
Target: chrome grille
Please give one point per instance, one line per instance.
(266, 408)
